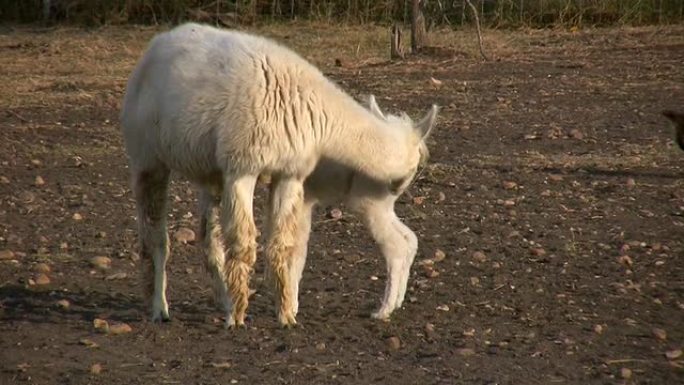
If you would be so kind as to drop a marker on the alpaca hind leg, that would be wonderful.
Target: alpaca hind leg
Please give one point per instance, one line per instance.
(210, 234)
(150, 188)
(299, 257)
(286, 204)
(239, 234)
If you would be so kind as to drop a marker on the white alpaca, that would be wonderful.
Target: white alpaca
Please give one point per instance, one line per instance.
(220, 108)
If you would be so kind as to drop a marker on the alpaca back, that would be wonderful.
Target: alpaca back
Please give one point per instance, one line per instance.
(203, 100)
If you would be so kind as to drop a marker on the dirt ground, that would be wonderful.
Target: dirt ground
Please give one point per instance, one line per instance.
(554, 190)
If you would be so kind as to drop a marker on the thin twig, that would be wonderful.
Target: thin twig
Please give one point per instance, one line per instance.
(16, 115)
(624, 361)
(479, 31)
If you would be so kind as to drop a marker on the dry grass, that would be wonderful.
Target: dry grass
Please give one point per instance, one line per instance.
(76, 68)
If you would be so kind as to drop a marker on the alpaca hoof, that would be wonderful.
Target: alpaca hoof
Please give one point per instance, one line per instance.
(383, 315)
(232, 323)
(160, 317)
(287, 320)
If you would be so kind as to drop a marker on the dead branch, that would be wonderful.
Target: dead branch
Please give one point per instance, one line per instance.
(396, 51)
(479, 31)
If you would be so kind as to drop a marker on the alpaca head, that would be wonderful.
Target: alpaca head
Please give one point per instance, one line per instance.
(677, 119)
(415, 133)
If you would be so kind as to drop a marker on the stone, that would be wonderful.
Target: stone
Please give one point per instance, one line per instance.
(184, 235)
(394, 343)
(101, 262)
(42, 279)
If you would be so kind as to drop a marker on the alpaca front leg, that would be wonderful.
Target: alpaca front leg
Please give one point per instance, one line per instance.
(150, 189)
(411, 249)
(239, 233)
(398, 252)
(286, 204)
(210, 234)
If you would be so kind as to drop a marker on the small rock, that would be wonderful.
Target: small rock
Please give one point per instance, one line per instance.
(429, 327)
(439, 256)
(630, 183)
(6, 254)
(77, 217)
(441, 197)
(42, 279)
(673, 354)
(576, 134)
(120, 328)
(465, 352)
(335, 213)
(660, 334)
(96, 369)
(509, 203)
(479, 257)
(4, 180)
(394, 343)
(430, 272)
(469, 333)
(435, 82)
(418, 200)
(555, 177)
(184, 235)
(36, 162)
(538, 251)
(474, 281)
(626, 373)
(101, 262)
(101, 325)
(39, 181)
(625, 260)
(443, 307)
(598, 329)
(78, 161)
(496, 265)
(320, 346)
(116, 276)
(509, 185)
(41, 268)
(63, 304)
(430, 330)
(88, 343)
(26, 197)
(351, 258)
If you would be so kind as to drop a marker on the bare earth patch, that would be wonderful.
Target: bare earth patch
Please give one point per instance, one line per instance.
(551, 221)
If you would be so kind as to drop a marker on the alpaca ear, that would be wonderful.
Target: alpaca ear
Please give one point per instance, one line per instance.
(425, 125)
(374, 108)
